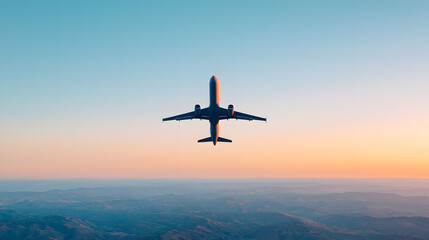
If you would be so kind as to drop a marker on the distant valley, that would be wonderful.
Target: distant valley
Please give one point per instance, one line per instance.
(210, 210)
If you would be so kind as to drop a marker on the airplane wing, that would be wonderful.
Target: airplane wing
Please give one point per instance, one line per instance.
(189, 115)
(239, 115)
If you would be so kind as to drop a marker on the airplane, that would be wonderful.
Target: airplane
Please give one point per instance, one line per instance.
(214, 113)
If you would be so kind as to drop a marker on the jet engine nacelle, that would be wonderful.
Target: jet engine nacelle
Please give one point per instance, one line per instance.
(197, 110)
(230, 110)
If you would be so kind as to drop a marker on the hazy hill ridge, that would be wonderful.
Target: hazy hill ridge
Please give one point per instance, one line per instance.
(191, 211)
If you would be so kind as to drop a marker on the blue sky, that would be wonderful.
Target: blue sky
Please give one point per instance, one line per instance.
(80, 69)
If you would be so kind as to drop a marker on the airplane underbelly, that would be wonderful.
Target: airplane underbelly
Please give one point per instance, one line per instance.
(214, 114)
(214, 132)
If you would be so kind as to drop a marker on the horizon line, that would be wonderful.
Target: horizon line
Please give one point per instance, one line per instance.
(218, 178)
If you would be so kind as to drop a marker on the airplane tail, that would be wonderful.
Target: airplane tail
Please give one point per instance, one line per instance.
(219, 139)
(207, 139)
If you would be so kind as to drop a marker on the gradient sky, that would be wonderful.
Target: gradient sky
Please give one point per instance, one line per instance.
(84, 85)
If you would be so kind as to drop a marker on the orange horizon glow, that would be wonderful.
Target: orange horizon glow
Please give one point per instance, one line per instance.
(366, 152)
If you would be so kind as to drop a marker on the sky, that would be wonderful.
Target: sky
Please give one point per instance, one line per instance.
(84, 86)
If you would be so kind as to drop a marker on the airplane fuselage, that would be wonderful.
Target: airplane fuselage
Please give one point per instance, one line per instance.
(214, 109)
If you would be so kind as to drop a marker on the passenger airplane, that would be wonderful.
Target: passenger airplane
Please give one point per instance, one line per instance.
(214, 113)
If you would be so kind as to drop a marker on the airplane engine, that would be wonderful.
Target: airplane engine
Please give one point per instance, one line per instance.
(197, 110)
(230, 110)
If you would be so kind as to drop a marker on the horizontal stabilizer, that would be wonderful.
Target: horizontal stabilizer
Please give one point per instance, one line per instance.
(207, 139)
(220, 139)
